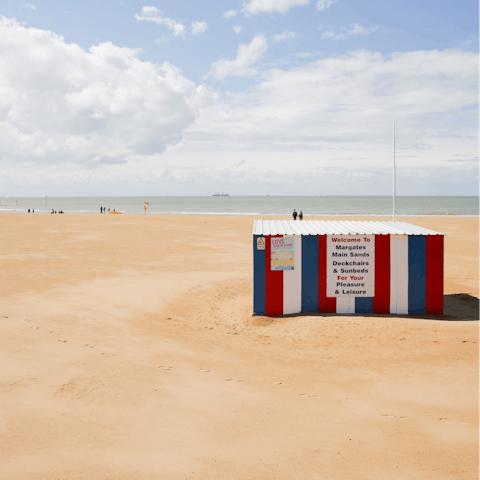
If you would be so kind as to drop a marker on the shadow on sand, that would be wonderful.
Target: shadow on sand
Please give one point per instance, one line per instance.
(458, 306)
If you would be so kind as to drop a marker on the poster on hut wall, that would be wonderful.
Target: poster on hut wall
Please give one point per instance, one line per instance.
(350, 265)
(282, 253)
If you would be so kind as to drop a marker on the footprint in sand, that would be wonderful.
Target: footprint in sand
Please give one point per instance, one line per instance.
(390, 415)
(233, 380)
(62, 341)
(308, 396)
(443, 418)
(165, 367)
(281, 383)
(26, 320)
(206, 371)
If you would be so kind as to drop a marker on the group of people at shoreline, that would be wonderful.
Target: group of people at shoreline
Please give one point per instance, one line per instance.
(295, 214)
(104, 210)
(52, 212)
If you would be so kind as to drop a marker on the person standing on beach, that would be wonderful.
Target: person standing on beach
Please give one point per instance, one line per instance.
(294, 214)
(101, 209)
(300, 215)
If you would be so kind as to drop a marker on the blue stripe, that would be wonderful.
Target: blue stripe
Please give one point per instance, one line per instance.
(363, 304)
(417, 268)
(310, 273)
(258, 278)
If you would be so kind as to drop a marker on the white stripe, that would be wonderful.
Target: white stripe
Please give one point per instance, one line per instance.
(292, 282)
(398, 273)
(345, 304)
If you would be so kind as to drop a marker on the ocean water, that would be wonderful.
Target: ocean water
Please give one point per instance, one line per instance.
(245, 205)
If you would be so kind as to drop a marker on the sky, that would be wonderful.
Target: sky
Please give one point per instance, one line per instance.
(249, 97)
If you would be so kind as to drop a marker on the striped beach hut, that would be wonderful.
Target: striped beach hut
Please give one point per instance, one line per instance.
(346, 267)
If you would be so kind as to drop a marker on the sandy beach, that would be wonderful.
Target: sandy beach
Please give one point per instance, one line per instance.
(129, 351)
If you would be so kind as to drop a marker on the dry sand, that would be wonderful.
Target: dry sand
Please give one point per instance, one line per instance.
(128, 350)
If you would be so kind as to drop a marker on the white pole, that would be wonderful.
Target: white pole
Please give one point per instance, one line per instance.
(394, 174)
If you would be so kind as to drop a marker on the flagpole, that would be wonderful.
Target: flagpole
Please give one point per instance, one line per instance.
(394, 174)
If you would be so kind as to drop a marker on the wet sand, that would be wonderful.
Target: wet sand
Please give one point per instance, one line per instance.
(129, 351)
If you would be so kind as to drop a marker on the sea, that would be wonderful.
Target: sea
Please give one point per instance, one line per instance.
(271, 206)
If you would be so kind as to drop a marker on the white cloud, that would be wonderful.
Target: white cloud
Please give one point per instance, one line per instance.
(324, 4)
(308, 54)
(153, 14)
(286, 35)
(161, 40)
(252, 7)
(344, 32)
(29, 6)
(320, 128)
(60, 103)
(229, 14)
(344, 106)
(241, 66)
(199, 27)
(237, 29)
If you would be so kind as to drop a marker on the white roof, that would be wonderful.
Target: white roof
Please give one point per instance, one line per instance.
(328, 227)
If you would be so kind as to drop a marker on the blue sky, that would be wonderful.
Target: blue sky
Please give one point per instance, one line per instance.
(284, 96)
(400, 26)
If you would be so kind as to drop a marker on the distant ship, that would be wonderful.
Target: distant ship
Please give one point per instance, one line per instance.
(218, 194)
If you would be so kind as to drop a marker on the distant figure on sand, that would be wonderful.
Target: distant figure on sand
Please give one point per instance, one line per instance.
(28, 210)
(294, 214)
(300, 215)
(101, 209)
(33, 210)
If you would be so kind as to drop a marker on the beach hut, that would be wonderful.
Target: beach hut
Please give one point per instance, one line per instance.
(346, 267)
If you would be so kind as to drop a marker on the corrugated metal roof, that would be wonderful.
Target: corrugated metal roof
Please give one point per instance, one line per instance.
(328, 227)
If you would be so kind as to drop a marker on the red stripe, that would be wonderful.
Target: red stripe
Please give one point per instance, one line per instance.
(381, 300)
(325, 304)
(434, 300)
(273, 284)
